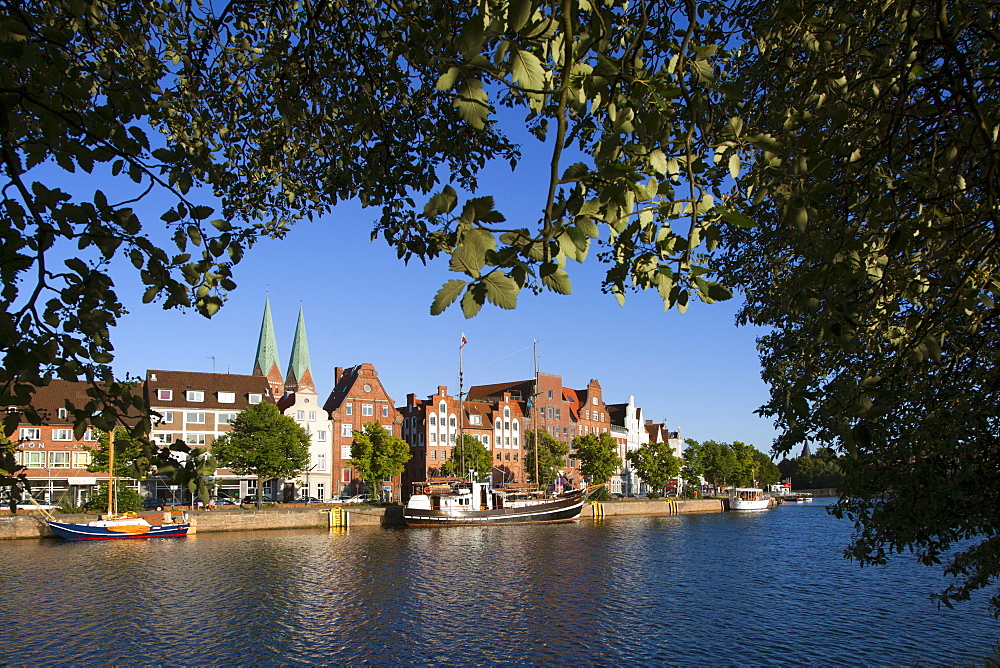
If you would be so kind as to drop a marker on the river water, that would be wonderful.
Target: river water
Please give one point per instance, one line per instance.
(762, 588)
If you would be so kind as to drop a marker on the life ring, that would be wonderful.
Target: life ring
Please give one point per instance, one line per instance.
(427, 489)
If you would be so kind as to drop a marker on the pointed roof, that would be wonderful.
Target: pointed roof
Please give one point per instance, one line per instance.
(299, 375)
(266, 364)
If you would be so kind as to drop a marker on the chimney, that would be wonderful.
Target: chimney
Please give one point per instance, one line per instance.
(337, 373)
(443, 390)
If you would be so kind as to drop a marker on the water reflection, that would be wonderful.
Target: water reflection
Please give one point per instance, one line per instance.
(720, 588)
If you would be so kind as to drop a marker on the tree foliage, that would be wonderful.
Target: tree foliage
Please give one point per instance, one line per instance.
(656, 464)
(262, 442)
(126, 499)
(598, 456)
(551, 456)
(838, 163)
(135, 456)
(468, 455)
(377, 455)
(13, 476)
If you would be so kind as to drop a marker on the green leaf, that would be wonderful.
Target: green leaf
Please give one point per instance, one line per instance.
(448, 293)
(447, 80)
(471, 102)
(556, 279)
(526, 69)
(501, 290)
(442, 202)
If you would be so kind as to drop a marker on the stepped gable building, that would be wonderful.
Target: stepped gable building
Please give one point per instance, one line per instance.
(55, 460)
(627, 421)
(431, 427)
(359, 398)
(301, 402)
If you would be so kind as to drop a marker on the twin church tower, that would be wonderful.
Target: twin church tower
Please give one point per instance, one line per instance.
(299, 376)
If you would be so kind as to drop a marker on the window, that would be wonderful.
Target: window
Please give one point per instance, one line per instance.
(34, 459)
(163, 439)
(486, 440)
(59, 460)
(451, 421)
(506, 441)
(388, 428)
(62, 434)
(550, 413)
(62, 413)
(507, 456)
(195, 395)
(254, 398)
(550, 394)
(557, 414)
(434, 437)
(195, 439)
(442, 407)
(226, 418)
(385, 410)
(194, 418)
(227, 397)
(31, 434)
(312, 415)
(515, 425)
(506, 412)
(321, 436)
(572, 432)
(345, 452)
(321, 462)
(346, 475)
(515, 456)
(89, 434)
(515, 445)
(434, 454)
(594, 401)
(506, 426)
(348, 409)
(452, 436)
(498, 424)
(321, 491)
(367, 410)
(499, 457)
(433, 421)
(165, 416)
(475, 419)
(346, 429)
(165, 395)
(81, 460)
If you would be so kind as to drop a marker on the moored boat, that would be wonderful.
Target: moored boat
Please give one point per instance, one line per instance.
(466, 502)
(748, 498)
(127, 526)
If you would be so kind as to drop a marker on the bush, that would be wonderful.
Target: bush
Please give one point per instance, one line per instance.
(128, 499)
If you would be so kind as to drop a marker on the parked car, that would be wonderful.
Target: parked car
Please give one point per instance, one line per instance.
(359, 498)
(26, 504)
(309, 499)
(160, 504)
(225, 501)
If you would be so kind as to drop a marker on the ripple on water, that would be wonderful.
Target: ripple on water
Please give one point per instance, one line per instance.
(757, 588)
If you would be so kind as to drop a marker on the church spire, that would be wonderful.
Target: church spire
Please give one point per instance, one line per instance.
(299, 377)
(266, 363)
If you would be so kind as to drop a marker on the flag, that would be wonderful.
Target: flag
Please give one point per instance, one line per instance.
(464, 341)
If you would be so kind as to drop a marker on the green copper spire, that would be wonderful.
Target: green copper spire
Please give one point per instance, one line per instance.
(299, 367)
(267, 346)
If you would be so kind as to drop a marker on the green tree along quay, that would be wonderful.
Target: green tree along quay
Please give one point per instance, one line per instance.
(835, 162)
(191, 471)
(13, 476)
(719, 463)
(377, 455)
(598, 456)
(126, 499)
(656, 464)
(135, 456)
(476, 457)
(551, 456)
(262, 442)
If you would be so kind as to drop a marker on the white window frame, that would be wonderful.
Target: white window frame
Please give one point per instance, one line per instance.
(321, 435)
(367, 410)
(225, 418)
(385, 410)
(346, 429)
(312, 415)
(62, 434)
(195, 418)
(321, 462)
(345, 452)
(34, 459)
(88, 435)
(195, 439)
(62, 413)
(162, 438)
(81, 459)
(227, 397)
(164, 395)
(254, 398)
(59, 459)
(195, 395)
(31, 433)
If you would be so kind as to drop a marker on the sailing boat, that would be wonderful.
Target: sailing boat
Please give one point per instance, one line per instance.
(113, 525)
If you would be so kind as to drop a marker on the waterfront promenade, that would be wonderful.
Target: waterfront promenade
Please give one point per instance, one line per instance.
(32, 524)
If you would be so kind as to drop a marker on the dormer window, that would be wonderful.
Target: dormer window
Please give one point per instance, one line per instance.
(61, 413)
(195, 395)
(227, 397)
(254, 398)
(165, 395)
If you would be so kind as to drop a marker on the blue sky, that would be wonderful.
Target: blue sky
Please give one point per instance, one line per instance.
(697, 370)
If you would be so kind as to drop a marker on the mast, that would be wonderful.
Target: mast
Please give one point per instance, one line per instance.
(534, 401)
(111, 472)
(461, 406)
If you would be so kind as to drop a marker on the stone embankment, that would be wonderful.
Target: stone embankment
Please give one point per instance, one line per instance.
(32, 524)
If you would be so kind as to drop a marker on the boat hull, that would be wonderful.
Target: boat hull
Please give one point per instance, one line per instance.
(742, 504)
(557, 510)
(72, 531)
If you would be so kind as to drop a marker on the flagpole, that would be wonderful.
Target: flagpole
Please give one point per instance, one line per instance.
(461, 404)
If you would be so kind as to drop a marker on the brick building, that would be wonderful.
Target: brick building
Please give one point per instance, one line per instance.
(55, 460)
(358, 398)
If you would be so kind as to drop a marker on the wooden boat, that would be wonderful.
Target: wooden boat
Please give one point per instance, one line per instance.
(748, 498)
(470, 503)
(114, 526)
(126, 526)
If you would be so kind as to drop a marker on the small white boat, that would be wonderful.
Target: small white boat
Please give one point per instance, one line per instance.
(748, 498)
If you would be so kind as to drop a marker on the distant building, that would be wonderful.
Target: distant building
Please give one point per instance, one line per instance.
(627, 422)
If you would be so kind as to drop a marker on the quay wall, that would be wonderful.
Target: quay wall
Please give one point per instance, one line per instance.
(32, 524)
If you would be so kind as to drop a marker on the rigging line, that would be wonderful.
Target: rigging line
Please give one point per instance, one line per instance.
(502, 358)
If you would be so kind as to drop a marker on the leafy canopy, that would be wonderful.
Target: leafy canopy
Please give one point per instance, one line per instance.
(551, 456)
(656, 464)
(598, 456)
(468, 454)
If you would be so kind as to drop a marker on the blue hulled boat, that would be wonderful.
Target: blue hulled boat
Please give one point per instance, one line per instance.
(119, 527)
